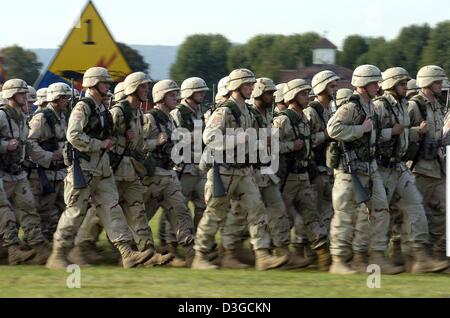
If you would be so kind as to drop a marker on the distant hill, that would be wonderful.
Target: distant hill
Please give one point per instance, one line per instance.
(160, 58)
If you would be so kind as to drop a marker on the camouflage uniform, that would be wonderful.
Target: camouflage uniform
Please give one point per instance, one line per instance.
(430, 173)
(97, 172)
(345, 126)
(163, 188)
(127, 179)
(298, 193)
(15, 183)
(318, 117)
(47, 134)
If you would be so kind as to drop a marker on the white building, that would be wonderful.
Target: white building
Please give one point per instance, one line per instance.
(324, 52)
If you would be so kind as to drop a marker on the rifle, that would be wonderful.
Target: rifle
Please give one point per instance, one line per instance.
(349, 158)
(79, 182)
(47, 187)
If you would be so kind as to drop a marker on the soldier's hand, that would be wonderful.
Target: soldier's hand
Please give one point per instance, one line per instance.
(298, 144)
(367, 125)
(106, 144)
(130, 135)
(397, 129)
(162, 138)
(423, 129)
(57, 155)
(12, 145)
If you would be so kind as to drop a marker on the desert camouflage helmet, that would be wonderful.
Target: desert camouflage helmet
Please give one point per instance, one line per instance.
(96, 75)
(14, 86)
(429, 74)
(294, 87)
(322, 79)
(31, 95)
(366, 74)
(222, 86)
(162, 88)
(263, 85)
(192, 85)
(239, 77)
(133, 81)
(56, 90)
(3, 101)
(392, 76)
(119, 93)
(343, 95)
(279, 96)
(41, 96)
(412, 87)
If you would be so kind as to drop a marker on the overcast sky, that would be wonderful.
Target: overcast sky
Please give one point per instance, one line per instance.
(45, 23)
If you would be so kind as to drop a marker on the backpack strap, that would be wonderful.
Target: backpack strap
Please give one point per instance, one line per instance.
(234, 110)
(3, 109)
(422, 104)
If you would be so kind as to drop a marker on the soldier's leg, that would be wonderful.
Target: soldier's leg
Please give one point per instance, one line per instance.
(131, 201)
(46, 207)
(323, 188)
(176, 209)
(232, 234)
(317, 232)
(199, 200)
(153, 195)
(341, 230)
(9, 236)
(277, 217)
(433, 192)
(379, 227)
(105, 198)
(23, 203)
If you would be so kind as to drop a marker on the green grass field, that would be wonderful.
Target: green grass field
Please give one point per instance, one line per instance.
(113, 281)
(109, 281)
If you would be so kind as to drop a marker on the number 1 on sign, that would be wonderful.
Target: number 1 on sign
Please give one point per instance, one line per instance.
(89, 33)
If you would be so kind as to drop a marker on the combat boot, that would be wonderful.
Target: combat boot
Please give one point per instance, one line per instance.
(58, 258)
(396, 257)
(201, 262)
(17, 256)
(423, 263)
(378, 258)
(294, 261)
(158, 259)
(83, 255)
(230, 260)
(244, 255)
(310, 254)
(323, 258)
(189, 254)
(265, 261)
(299, 250)
(42, 252)
(359, 262)
(132, 258)
(177, 260)
(339, 266)
(3, 250)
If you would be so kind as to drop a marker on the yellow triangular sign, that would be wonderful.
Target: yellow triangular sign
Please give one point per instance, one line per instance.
(88, 44)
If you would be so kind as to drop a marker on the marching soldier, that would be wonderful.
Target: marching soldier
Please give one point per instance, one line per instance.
(318, 112)
(163, 188)
(342, 96)
(41, 100)
(89, 133)
(279, 98)
(14, 132)
(228, 119)
(353, 127)
(428, 164)
(393, 119)
(413, 89)
(295, 148)
(47, 135)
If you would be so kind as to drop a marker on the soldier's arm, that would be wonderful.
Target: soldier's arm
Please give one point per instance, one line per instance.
(318, 137)
(75, 134)
(215, 132)
(3, 126)
(381, 111)
(282, 123)
(35, 135)
(119, 129)
(415, 118)
(341, 126)
(151, 133)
